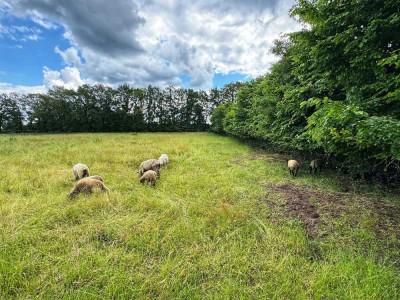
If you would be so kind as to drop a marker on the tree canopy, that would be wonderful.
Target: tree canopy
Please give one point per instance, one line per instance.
(99, 108)
(335, 90)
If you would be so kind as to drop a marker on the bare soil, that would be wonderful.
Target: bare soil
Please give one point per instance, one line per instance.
(315, 207)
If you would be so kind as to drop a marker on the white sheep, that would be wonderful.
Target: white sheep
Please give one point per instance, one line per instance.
(163, 160)
(293, 166)
(80, 171)
(150, 164)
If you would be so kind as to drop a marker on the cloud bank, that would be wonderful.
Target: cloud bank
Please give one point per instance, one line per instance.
(157, 42)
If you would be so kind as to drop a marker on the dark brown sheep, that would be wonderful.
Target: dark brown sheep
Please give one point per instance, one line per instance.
(315, 166)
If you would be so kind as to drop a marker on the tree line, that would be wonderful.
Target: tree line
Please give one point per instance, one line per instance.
(100, 108)
(333, 94)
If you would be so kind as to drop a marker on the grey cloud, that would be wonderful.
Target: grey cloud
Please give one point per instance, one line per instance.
(201, 79)
(176, 51)
(157, 71)
(240, 7)
(140, 71)
(106, 26)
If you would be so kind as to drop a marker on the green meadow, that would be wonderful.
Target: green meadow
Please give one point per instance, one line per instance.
(225, 221)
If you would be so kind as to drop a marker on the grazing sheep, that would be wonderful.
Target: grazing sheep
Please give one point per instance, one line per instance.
(149, 176)
(163, 160)
(315, 166)
(293, 166)
(86, 185)
(98, 177)
(150, 164)
(80, 171)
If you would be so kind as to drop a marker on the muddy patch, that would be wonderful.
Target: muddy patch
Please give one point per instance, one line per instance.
(315, 207)
(336, 214)
(298, 205)
(309, 205)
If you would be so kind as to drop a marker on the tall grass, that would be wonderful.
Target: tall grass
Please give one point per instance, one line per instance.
(204, 232)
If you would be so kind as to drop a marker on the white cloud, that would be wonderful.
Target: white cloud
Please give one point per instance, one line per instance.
(9, 88)
(20, 33)
(156, 42)
(70, 56)
(38, 19)
(68, 77)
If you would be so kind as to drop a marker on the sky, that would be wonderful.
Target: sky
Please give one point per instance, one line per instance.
(190, 44)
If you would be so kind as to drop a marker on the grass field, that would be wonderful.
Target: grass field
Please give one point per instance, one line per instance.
(225, 221)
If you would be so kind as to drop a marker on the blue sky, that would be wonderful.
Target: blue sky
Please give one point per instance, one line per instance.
(195, 44)
(22, 58)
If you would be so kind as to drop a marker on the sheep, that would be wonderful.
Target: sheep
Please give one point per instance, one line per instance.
(163, 160)
(293, 166)
(86, 185)
(315, 166)
(80, 171)
(149, 176)
(150, 164)
(98, 177)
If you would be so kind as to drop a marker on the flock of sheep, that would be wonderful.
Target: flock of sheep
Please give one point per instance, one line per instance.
(293, 166)
(149, 171)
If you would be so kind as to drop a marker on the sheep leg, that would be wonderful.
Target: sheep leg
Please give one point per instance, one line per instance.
(87, 190)
(103, 188)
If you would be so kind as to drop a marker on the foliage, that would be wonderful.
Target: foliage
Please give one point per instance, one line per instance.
(10, 113)
(99, 108)
(219, 116)
(335, 90)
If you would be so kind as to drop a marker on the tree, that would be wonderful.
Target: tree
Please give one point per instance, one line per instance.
(219, 116)
(353, 63)
(10, 113)
(138, 123)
